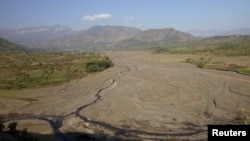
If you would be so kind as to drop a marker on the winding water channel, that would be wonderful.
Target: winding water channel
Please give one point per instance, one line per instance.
(55, 121)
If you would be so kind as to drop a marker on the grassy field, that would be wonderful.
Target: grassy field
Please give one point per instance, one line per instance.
(28, 70)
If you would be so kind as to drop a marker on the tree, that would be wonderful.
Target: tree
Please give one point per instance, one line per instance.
(2, 127)
(12, 129)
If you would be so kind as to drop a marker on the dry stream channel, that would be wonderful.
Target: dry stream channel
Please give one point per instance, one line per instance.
(143, 97)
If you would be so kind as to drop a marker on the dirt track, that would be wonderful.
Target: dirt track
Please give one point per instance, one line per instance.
(145, 96)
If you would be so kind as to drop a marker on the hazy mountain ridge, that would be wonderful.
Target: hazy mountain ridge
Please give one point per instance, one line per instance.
(110, 33)
(156, 37)
(166, 34)
(108, 37)
(104, 37)
(34, 36)
(228, 41)
(94, 38)
(220, 32)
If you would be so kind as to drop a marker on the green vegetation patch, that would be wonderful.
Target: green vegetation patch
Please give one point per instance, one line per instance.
(244, 116)
(29, 70)
(218, 65)
(201, 63)
(98, 65)
(244, 71)
(12, 95)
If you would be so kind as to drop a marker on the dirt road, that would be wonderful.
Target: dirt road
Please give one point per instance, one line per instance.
(143, 97)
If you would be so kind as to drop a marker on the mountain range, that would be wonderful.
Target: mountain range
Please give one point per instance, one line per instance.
(95, 38)
(110, 37)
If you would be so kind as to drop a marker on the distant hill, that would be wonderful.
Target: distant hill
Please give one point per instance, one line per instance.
(5, 45)
(156, 37)
(113, 37)
(94, 38)
(165, 35)
(34, 36)
(109, 33)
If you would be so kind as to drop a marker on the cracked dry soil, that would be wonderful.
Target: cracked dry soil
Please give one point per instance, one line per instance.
(143, 97)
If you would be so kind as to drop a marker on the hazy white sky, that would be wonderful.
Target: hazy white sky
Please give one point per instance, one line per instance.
(81, 14)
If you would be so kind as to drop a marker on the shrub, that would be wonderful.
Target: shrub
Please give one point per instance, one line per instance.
(203, 62)
(2, 127)
(158, 50)
(245, 115)
(91, 67)
(200, 65)
(247, 120)
(190, 60)
(12, 127)
(95, 66)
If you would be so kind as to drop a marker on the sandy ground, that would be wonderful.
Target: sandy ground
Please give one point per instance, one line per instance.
(143, 97)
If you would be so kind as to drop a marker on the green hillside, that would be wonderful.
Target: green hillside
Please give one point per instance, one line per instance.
(8, 46)
(235, 45)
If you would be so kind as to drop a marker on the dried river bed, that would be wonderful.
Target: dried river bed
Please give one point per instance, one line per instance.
(144, 97)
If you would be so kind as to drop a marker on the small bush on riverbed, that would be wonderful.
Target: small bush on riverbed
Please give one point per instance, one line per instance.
(98, 65)
(203, 62)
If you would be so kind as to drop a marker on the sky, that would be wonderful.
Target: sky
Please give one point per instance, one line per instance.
(144, 14)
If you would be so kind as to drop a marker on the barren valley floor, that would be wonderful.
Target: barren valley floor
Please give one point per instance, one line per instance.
(143, 97)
